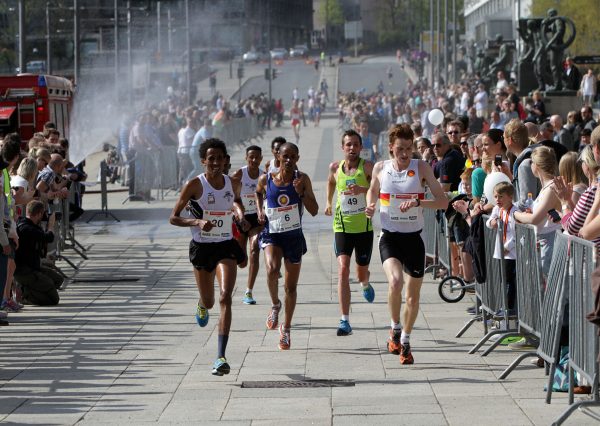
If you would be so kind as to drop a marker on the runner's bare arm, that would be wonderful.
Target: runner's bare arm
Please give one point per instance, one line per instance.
(369, 169)
(260, 192)
(373, 192)
(330, 187)
(440, 201)
(308, 196)
(237, 176)
(192, 189)
(238, 207)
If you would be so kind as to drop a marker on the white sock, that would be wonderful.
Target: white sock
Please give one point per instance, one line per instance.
(404, 337)
(346, 317)
(365, 284)
(248, 290)
(396, 326)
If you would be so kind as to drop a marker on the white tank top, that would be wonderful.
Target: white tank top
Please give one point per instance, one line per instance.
(214, 205)
(396, 187)
(547, 226)
(272, 167)
(248, 191)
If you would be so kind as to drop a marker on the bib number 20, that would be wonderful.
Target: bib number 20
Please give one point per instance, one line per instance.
(217, 223)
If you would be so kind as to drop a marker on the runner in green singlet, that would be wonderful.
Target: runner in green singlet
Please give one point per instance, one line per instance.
(353, 231)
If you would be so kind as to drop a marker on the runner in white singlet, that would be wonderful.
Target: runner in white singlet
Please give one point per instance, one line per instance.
(248, 178)
(399, 186)
(212, 200)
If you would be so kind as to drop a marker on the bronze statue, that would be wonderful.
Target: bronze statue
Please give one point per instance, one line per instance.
(553, 30)
(504, 60)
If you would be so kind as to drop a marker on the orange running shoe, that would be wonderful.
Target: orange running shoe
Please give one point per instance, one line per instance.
(405, 354)
(393, 342)
(284, 338)
(273, 317)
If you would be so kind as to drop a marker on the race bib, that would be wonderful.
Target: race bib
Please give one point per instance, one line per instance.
(249, 202)
(283, 219)
(393, 208)
(352, 204)
(366, 154)
(222, 224)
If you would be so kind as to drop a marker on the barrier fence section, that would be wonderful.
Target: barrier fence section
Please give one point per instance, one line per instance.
(493, 292)
(158, 168)
(583, 335)
(529, 288)
(553, 307)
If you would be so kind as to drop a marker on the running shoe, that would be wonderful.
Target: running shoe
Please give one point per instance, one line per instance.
(284, 338)
(344, 328)
(405, 354)
(221, 367)
(8, 307)
(393, 342)
(248, 299)
(201, 315)
(273, 317)
(525, 344)
(14, 306)
(368, 293)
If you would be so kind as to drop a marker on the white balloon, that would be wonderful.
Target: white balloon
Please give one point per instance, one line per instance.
(491, 181)
(435, 117)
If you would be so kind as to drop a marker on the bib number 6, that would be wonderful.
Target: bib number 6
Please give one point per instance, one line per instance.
(286, 217)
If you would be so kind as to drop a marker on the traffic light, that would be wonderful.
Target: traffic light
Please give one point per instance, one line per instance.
(274, 73)
(240, 72)
(267, 75)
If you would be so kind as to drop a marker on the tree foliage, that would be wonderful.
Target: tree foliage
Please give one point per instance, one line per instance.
(331, 12)
(585, 14)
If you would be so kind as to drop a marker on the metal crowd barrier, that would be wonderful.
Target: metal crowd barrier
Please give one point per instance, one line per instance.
(553, 307)
(238, 130)
(64, 232)
(430, 233)
(493, 292)
(530, 289)
(583, 335)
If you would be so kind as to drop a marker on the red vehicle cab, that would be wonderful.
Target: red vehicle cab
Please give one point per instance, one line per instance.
(27, 101)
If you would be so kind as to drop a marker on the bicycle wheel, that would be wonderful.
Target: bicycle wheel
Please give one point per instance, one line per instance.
(451, 289)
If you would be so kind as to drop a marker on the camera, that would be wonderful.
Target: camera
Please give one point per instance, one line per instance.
(498, 160)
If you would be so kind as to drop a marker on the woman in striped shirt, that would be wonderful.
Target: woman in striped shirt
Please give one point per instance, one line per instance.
(574, 215)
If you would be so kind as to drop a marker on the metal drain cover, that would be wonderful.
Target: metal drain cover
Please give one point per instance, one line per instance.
(313, 383)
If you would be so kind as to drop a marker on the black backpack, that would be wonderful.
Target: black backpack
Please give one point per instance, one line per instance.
(475, 246)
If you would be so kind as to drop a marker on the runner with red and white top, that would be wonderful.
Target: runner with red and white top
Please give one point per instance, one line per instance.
(399, 185)
(295, 115)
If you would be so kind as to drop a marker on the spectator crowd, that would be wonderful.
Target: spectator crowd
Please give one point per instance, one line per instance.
(39, 184)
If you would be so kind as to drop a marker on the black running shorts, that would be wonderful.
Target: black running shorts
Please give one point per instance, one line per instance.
(206, 256)
(408, 248)
(362, 243)
(253, 221)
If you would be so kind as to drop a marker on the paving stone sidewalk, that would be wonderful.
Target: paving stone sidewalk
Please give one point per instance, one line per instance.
(123, 345)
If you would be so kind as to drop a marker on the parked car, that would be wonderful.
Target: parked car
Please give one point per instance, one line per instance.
(299, 51)
(254, 56)
(279, 53)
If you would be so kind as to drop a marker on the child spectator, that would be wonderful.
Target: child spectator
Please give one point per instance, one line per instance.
(504, 211)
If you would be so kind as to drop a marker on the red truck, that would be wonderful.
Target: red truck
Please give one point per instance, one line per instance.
(27, 101)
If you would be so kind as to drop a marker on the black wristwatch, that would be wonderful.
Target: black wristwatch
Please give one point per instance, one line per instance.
(418, 202)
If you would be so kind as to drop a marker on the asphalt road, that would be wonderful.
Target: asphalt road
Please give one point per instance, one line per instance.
(292, 73)
(353, 77)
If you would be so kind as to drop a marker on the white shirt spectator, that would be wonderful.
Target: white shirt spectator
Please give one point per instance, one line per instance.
(185, 137)
(508, 229)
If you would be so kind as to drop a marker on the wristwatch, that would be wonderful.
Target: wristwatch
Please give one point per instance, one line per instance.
(418, 202)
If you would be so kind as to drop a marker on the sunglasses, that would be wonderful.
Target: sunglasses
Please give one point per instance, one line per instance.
(437, 145)
(464, 143)
(453, 132)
